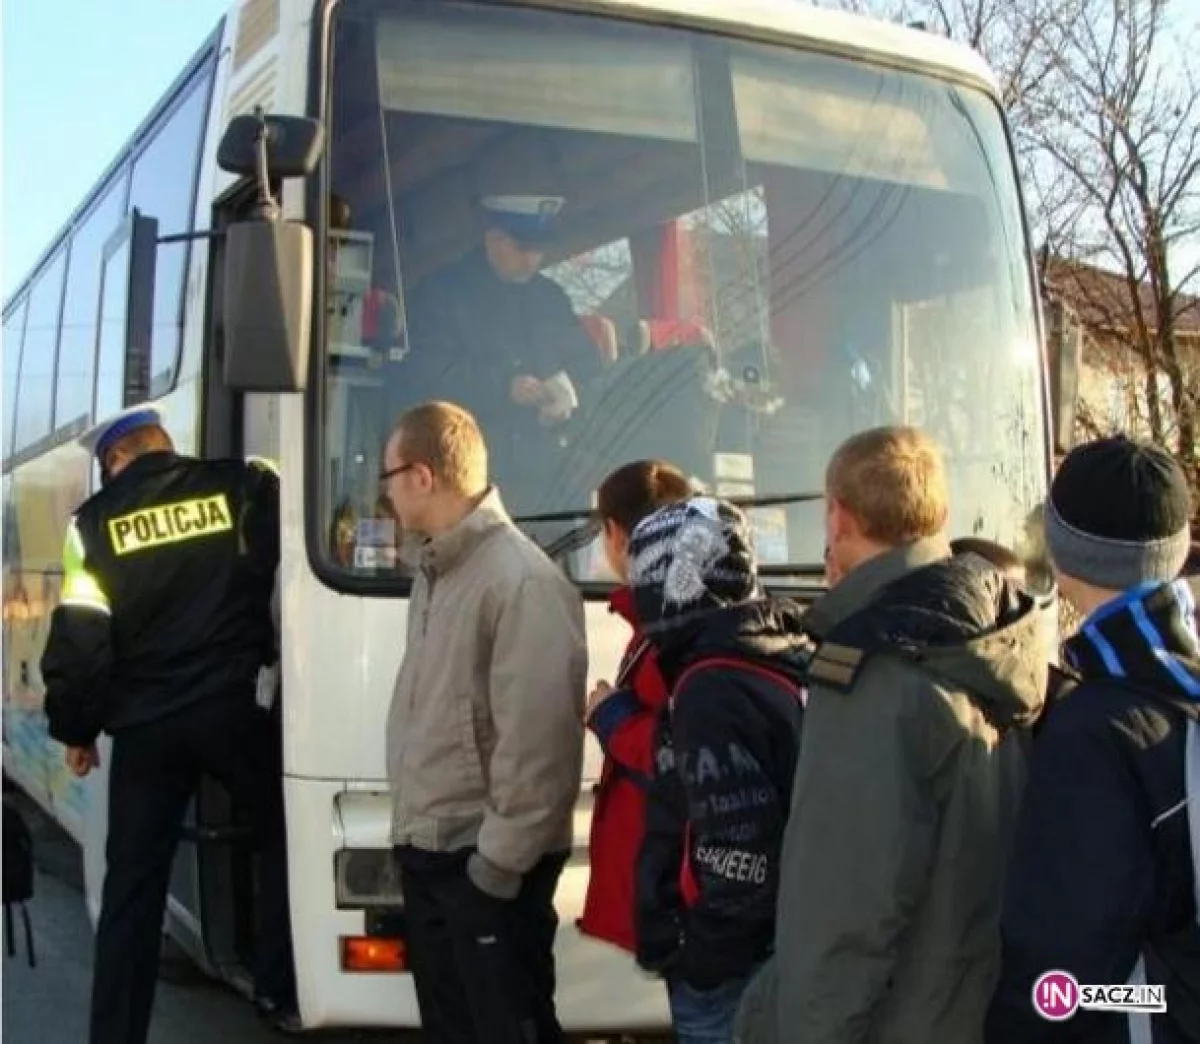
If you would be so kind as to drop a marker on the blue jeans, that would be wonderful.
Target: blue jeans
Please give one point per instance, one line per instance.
(704, 1016)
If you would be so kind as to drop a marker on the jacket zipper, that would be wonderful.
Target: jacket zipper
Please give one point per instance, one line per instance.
(414, 672)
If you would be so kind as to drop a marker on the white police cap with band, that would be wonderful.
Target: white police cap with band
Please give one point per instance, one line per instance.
(100, 438)
(528, 219)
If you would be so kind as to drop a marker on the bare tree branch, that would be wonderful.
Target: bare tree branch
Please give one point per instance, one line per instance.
(1105, 109)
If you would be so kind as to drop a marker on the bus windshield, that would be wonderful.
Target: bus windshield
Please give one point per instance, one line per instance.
(614, 241)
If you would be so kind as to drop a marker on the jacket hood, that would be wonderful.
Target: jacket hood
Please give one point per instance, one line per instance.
(621, 602)
(768, 631)
(1147, 638)
(964, 623)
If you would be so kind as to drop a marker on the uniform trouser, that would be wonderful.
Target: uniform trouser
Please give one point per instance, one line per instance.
(483, 967)
(155, 770)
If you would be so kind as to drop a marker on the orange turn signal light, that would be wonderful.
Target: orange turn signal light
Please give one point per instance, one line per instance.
(361, 953)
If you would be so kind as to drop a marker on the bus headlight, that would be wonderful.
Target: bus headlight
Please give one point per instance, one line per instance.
(367, 878)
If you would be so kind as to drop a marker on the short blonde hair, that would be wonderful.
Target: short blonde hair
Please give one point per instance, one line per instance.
(446, 439)
(893, 481)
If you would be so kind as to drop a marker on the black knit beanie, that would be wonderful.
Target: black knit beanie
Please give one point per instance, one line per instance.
(1118, 514)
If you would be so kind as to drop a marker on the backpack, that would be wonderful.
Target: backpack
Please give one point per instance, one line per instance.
(688, 887)
(18, 878)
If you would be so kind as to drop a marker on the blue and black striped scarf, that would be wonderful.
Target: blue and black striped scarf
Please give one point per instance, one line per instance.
(1147, 637)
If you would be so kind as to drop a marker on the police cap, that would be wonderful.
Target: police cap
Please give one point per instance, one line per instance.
(100, 438)
(527, 219)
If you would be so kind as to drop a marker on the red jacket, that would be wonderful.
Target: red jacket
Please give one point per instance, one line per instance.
(625, 726)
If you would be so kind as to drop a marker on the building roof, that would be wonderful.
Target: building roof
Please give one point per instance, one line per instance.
(1102, 301)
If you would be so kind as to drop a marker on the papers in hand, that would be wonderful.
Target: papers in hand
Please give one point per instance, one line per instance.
(559, 399)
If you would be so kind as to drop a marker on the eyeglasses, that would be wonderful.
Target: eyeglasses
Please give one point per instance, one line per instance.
(398, 470)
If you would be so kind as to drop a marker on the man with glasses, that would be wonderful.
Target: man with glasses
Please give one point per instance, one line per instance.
(484, 740)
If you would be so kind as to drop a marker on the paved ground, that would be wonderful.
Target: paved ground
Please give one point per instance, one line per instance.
(48, 1004)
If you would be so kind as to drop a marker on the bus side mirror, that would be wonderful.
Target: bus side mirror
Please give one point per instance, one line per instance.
(126, 319)
(268, 274)
(267, 305)
(292, 145)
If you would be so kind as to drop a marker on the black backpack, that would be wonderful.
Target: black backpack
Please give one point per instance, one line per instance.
(18, 878)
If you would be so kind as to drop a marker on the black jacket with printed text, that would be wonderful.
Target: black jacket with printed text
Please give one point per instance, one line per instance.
(725, 755)
(167, 578)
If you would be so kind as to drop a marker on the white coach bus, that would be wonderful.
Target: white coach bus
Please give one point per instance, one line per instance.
(779, 225)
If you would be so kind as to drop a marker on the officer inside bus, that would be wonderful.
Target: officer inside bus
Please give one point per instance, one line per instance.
(495, 335)
(162, 630)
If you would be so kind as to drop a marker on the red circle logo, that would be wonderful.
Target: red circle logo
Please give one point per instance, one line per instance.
(1056, 995)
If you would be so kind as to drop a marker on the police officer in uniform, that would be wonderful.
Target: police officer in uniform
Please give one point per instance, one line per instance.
(159, 638)
(493, 334)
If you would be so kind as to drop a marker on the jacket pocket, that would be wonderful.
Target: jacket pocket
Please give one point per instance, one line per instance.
(471, 749)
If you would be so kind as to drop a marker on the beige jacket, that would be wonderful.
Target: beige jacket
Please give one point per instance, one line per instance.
(485, 731)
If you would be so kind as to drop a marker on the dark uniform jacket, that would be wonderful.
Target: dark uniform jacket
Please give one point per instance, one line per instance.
(725, 755)
(1102, 882)
(472, 333)
(168, 574)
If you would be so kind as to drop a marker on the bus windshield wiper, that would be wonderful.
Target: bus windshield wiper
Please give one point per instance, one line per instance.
(582, 535)
(775, 500)
(573, 539)
(791, 569)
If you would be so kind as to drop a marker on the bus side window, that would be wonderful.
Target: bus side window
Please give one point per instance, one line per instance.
(14, 332)
(163, 187)
(77, 349)
(35, 394)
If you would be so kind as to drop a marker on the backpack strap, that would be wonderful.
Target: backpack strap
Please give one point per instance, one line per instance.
(836, 665)
(630, 662)
(689, 887)
(30, 955)
(1192, 791)
(840, 658)
(1138, 1023)
(845, 650)
(732, 663)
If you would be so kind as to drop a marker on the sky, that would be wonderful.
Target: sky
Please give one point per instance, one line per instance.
(77, 78)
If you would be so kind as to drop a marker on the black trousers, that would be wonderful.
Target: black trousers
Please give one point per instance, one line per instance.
(483, 967)
(155, 771)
